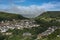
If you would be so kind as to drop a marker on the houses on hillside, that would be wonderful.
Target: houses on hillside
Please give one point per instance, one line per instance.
(4, 26)
(47, 32)
(27, 34)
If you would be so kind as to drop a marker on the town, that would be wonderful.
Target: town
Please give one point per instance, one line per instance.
(19, 24)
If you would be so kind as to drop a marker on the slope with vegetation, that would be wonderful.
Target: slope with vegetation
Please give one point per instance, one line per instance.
(54, 36)
(10, 16)
(49, 18)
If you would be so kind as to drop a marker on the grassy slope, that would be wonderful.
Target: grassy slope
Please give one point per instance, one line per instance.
(46, 18)
(51, 14)
(9, 16)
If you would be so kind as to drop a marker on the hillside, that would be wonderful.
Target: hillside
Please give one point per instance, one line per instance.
(51, 14)
(52, 18)
(49, 19)
(10, 16)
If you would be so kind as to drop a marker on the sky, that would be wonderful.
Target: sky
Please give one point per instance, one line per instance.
(29, 8)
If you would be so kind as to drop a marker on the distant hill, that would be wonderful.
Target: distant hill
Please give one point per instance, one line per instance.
(49, 17)
(51, 14)
(10, 16)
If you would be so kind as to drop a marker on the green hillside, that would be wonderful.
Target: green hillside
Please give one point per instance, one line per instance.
(51, 14)
(49, 18)
(10, 16)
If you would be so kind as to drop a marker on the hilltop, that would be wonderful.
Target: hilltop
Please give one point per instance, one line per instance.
(50, 18)
(10, 16)
(51, 14)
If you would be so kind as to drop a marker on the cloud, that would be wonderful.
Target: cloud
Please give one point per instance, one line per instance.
(50, 5)
(32, 10)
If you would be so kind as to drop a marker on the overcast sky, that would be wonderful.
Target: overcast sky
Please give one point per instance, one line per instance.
(29, 8)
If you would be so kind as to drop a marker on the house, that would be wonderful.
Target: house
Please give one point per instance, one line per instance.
(58, 35)
(7, 33)
(27, 34)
